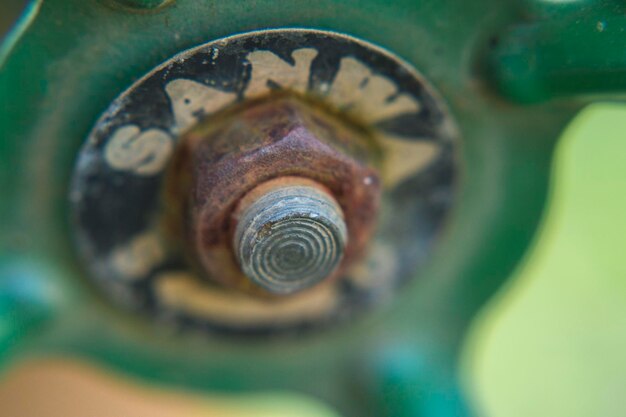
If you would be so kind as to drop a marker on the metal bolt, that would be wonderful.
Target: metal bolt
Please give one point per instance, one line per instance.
(291, 235)
(223, 169)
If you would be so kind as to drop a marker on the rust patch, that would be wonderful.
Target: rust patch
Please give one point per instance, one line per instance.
(221, 161)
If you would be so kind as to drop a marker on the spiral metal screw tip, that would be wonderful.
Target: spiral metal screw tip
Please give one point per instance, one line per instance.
(290, 238)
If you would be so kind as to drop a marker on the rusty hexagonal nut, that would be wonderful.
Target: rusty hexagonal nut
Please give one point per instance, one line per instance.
(222, 160)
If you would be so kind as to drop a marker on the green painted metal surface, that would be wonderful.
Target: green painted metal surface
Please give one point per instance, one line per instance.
(70, 58)
(575, 51)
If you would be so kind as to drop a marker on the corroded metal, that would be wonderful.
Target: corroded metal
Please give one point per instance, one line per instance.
(290, 235)
(222, 161)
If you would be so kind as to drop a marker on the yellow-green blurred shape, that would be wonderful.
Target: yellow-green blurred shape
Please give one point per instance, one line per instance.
(554, 343)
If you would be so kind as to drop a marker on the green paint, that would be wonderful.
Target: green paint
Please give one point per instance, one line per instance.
(141, 4)
(26, 302)
(75, 56)
(572, 51)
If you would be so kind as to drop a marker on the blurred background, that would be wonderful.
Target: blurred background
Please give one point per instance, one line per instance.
(552, 343)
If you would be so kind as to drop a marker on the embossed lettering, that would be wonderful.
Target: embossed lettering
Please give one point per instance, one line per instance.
(267, 66)
(135, 259)
(143, 153)
(371, 97)
(192, 100)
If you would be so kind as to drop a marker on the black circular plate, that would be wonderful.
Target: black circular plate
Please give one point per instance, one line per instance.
(117, 184)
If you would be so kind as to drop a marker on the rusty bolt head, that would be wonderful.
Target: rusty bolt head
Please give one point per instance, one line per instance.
(224, 159)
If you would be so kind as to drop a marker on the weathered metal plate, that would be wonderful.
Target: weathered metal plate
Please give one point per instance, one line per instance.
(117, 187)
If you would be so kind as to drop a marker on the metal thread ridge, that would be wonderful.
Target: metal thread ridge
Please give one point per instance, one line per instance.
(290, 238)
